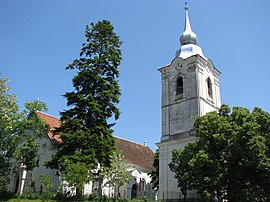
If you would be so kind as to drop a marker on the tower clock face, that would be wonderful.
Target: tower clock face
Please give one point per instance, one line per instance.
(178, 65)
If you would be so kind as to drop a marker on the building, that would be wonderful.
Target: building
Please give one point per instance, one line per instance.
(138, 159)
(190, 88)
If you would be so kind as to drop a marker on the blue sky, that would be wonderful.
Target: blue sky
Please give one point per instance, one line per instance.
(38, 39)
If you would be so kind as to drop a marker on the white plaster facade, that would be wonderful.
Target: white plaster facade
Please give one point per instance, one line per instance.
(48, 146)
(200, 94)
(139, 186)
(20, 182)
(46, 149)
(139, 178)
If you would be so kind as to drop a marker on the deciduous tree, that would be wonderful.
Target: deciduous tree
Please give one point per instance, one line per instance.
(26, 153)
(231, 158)
(183, 174)
(117, 174)
(46, 183)
(13, 124)
(30, 128)
(76, 174)
(9, 116)
(155, 173)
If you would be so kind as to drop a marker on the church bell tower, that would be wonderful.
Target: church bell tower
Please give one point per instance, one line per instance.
(190, 88)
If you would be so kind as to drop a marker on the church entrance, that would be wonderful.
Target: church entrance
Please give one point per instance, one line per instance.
(134, 191)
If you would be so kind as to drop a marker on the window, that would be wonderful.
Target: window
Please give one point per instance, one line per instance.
(179, 86)
(209, 87)
(142, 184)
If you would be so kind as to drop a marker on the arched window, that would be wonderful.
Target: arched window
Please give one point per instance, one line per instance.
(142, 184)
(179, 86)
(209, 87)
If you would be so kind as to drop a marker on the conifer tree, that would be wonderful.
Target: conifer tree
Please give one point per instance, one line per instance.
(85, 131)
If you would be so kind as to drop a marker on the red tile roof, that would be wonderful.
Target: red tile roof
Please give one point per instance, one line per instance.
(53, 123)
(134, 153)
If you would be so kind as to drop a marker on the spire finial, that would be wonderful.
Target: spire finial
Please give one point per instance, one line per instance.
(188, 40)
(186, 6)
(188, 37)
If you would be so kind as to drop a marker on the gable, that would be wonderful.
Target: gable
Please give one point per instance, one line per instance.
(53, 123)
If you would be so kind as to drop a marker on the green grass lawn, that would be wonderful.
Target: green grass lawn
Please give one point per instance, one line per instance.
(27, 200)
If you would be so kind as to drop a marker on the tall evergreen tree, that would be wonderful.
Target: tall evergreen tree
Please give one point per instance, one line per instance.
(85, 130)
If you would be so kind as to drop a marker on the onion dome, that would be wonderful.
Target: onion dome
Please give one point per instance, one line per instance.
(188, 37)
(188, 41)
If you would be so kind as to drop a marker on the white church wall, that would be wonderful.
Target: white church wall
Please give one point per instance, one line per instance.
(87, 189)
(182, 116)
(143, 181)
(168, 186)
(46, 150)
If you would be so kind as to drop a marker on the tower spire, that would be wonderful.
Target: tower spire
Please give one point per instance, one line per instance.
(188, 41)
(188, 36)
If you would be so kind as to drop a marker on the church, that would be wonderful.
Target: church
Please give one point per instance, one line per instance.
(138, 159)
(190, 88)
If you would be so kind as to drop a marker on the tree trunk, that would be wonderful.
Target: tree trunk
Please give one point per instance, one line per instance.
(79, 192)
(219, 199)
(184, 192)
(115, 191)
(100, 180)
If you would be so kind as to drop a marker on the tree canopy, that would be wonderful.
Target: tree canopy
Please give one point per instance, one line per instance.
(85, 130)
(117, 174)
(14, 143)
(154, 174)
(231, 158)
